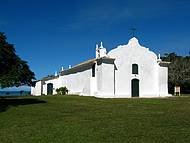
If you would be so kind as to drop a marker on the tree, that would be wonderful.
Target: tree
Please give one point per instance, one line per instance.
(13, 70)
(179, 72)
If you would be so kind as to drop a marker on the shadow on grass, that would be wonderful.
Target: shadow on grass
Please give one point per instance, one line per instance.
(6, 103)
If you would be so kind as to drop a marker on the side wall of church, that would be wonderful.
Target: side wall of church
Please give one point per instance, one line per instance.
(36, 91)
(56, 84)
(163, 81)
(78, 83)
(81, 83)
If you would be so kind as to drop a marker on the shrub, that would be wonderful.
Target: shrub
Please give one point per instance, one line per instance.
(62, 91)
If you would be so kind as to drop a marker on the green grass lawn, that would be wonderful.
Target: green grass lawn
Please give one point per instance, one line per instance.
(60, 119)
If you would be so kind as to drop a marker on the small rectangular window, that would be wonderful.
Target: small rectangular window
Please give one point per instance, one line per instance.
(134, 69)
(93, 70)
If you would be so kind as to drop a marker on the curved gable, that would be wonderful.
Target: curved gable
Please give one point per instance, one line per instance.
(133, 48)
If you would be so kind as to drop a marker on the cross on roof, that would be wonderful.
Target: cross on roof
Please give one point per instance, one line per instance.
(133, 31)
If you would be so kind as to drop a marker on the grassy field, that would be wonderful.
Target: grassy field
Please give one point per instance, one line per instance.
(61, 119)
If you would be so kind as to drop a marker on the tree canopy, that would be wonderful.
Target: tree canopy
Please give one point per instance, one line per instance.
(13, 70)
(179, 72)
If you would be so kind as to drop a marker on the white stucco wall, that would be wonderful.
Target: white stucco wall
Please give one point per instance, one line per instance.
(36, 90)
(56, 84)
(105, 80)
(78, 83)
(163, 81)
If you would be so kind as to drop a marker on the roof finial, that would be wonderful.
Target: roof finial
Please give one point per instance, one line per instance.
(96, 46)
(159, 59)
(55, 73)
(101, 45)
(159, 56)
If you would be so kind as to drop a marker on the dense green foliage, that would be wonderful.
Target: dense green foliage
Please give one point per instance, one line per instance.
(62, 119)
(62, 91)
(13, 70)
(179, 72)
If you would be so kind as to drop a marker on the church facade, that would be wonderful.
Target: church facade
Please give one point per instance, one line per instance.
(127, 71)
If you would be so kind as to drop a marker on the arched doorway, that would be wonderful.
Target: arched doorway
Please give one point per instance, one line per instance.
(135, 88)
(49, 88)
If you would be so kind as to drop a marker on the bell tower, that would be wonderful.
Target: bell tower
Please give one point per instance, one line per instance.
(100, 51)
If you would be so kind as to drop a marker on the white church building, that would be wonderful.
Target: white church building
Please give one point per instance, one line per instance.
(127, 71)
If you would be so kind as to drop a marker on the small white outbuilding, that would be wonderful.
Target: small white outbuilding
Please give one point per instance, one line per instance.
(127, 71)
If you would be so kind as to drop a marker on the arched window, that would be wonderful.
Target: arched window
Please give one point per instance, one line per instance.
(134, 69)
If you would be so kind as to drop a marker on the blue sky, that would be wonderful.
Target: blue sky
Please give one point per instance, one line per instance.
(50, 34)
